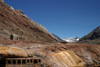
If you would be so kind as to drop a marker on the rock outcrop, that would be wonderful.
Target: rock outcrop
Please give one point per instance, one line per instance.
(14, 52)
(66, 59)
(74, 54)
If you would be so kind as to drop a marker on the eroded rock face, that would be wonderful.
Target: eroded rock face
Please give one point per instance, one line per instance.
(14, 52)
(65, 59)
(89, 54)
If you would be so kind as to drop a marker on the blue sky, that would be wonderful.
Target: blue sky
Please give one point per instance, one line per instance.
(64, 18)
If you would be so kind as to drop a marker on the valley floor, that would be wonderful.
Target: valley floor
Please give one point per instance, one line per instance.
(60, 55)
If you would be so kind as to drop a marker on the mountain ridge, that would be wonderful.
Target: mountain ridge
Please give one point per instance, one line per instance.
(71, 39)
(92, 37)
(21, 26)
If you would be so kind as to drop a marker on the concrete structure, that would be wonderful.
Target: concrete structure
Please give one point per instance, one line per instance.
(23, 62)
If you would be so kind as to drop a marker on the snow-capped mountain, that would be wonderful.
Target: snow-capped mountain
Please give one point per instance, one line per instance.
(72, 39)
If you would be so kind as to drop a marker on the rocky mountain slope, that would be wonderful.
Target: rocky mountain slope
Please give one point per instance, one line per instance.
(15, 22)
(92, 37)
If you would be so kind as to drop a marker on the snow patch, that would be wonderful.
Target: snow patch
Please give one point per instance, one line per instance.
(71, 39)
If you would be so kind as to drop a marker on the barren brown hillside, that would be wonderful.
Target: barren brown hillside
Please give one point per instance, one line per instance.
(92, 37)
(15, 22)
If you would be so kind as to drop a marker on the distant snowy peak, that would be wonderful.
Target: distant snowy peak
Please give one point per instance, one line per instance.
(72, 39)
